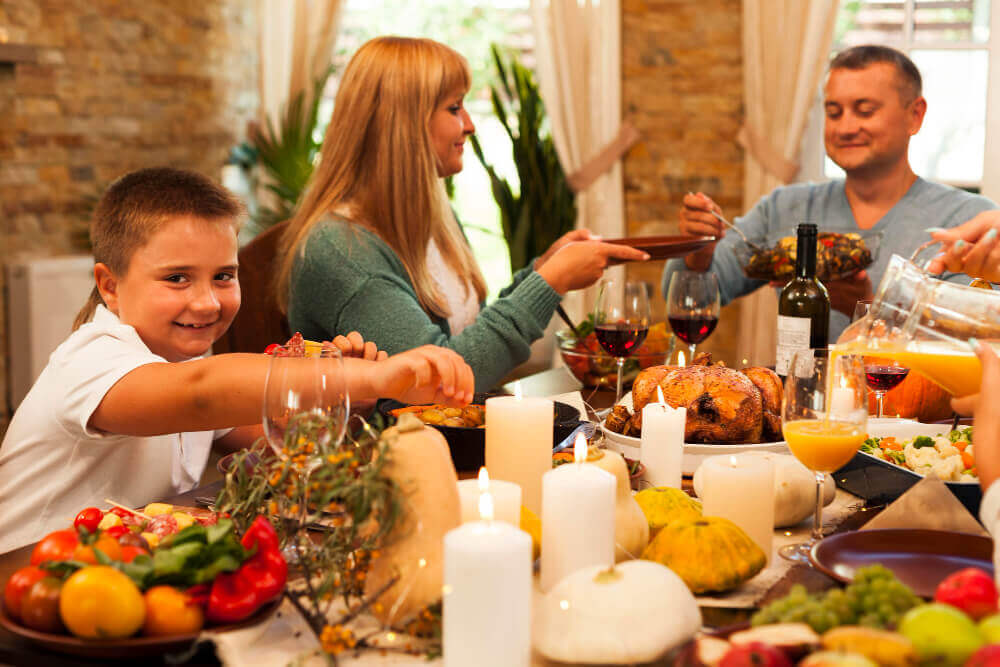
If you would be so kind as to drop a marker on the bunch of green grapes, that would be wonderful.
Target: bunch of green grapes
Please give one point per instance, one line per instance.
(875, 599)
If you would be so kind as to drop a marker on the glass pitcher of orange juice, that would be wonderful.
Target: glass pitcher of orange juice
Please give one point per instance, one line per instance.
(925, 324)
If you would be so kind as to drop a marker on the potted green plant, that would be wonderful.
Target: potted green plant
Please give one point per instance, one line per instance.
(542, 207)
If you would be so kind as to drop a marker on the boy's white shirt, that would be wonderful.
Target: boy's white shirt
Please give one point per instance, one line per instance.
(52, 465)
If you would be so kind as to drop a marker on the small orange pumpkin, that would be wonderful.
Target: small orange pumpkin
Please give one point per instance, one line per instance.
(916, 397)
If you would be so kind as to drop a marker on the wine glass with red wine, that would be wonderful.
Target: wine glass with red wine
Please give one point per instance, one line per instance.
(693, 307)
(621, 321)
(881, 374)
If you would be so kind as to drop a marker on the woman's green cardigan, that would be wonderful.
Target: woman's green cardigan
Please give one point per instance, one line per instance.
(347, 279)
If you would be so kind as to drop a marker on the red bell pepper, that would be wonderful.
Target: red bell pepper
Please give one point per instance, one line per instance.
(260, 579)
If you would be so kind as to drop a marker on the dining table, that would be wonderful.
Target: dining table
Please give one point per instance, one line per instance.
(17, 651)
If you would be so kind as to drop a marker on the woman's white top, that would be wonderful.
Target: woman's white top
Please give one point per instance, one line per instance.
(53, 464)
(462, 299)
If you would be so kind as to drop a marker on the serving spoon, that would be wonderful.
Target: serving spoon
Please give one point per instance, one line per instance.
(722, 219)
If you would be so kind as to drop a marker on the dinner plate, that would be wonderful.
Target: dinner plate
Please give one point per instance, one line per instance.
(130, 647)
(919, 558)
(694, 452)
(880, 482)
(664, 247)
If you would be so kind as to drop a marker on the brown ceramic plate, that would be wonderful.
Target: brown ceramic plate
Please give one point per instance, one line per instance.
(125, 648)
(665, 247)
(918, 558)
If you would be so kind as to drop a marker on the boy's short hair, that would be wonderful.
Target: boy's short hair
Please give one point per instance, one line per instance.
(135, 206)
(859, 57)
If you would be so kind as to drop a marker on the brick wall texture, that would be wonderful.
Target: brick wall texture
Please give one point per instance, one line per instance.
(683, 89)
(116, 86)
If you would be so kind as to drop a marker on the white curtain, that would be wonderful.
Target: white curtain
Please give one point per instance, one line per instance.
(578, 50)
(786, 45)
(296, 45)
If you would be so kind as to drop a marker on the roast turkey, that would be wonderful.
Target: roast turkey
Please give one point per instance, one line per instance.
(723, 405)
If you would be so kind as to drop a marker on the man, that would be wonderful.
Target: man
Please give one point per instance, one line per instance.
(873, 105)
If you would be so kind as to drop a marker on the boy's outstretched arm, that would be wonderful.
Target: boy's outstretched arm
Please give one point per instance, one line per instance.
(228, 390)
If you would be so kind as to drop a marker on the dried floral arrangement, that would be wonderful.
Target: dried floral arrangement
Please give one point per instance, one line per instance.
(333, 510)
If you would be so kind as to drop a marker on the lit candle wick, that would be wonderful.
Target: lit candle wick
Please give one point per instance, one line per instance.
(486, 506)
(580, 448)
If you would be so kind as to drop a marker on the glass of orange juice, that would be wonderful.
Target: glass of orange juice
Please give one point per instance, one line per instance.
(825, 420)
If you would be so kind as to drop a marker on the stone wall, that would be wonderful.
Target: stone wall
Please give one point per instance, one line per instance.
(683, 89)
(114, 86)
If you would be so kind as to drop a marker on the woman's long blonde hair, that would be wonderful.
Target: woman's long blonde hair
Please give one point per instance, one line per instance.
(378, 165)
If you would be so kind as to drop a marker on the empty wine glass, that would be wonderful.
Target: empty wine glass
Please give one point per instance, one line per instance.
(621, 321)
(306, 404)
(693, 307)
(825, 420)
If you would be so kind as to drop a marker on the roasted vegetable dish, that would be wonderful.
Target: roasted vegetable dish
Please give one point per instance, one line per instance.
(837, 256)
(471, 416)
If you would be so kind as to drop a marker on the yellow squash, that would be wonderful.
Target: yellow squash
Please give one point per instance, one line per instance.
(662, 504)
(708, 553)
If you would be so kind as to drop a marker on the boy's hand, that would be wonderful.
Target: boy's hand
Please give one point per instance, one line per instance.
(353, 345)
(427, 374)
(986, 410)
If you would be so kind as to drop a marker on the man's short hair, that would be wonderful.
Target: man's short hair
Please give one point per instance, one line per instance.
(859, 57)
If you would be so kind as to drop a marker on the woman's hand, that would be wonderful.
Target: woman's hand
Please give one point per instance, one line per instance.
(353, 345)
(564, 240)
(971, 248)
(581, 264)
(986, 409)
(426, 374)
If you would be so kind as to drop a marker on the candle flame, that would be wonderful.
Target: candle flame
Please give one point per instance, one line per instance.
(681, 359)
(484, 480)
(659, 395)
(580, 448)
(733, 462)
(486, 506)
(518, 394)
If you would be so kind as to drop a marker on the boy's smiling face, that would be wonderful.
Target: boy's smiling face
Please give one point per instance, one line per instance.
(180, 292)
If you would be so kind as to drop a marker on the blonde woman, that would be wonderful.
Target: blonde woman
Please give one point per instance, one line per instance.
(374, 246)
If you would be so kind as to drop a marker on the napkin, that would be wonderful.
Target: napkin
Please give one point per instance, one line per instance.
(927, 505)
(573, 399)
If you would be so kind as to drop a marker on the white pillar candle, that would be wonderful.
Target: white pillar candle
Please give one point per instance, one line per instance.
(519, 443)
(741, 489)
(487, 594)
(841, 402)
(506, 498)
(578, 518)
(662, 444)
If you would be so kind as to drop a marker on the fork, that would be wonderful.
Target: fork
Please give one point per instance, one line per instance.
(720, 218)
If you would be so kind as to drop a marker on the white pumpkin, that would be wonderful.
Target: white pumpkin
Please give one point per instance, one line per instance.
(420, 463)
(794, 488)
(631, 527)
(631, 613)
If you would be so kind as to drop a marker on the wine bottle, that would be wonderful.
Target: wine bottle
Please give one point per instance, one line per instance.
(804, 305)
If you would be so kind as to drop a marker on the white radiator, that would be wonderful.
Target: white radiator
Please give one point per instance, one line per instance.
(43, 298)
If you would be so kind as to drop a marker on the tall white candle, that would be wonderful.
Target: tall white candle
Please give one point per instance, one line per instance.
(662, 448)
(578, 518)
(741, 489)
(487, 594)
(506, 498)
(519, 443)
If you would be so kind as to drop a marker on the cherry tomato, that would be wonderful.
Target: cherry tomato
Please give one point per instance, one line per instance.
(116, 532)
(271, 348)
(40, 607)
(57, 545)
(20, 583)
(88, 519)
(129, 553)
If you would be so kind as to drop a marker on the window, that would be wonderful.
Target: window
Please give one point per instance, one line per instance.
(469, 27)
(956, 46)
